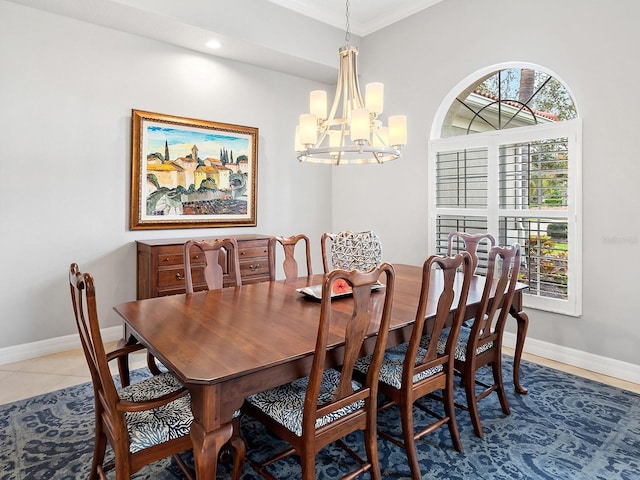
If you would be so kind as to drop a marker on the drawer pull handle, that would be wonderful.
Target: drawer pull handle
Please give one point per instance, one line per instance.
(243, 253)
(166, 259)
(254, 267)
(179, 276)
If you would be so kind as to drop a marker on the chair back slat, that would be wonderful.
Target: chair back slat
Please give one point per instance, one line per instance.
(462, 241)
(213, 271)
(289, 264)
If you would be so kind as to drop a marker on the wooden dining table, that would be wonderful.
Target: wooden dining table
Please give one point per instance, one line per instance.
(227, 344)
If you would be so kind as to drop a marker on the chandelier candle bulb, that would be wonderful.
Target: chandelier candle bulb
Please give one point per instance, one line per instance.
(398, 129)
(308, 129)
(374, 97)
(318, 103)
(360, 126)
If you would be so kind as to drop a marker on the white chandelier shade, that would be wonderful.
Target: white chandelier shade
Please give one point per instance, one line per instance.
(351, 132)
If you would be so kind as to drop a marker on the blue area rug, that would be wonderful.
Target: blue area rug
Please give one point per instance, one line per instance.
(566, 428)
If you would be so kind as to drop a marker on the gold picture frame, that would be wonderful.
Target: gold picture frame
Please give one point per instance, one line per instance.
(189, 173)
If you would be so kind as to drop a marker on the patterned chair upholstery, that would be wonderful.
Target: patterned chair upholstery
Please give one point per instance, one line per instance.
(285, 403)
(356, 251)
(167, 422)
(393, 366)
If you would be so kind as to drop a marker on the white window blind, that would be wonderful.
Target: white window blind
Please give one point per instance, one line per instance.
(522, 185)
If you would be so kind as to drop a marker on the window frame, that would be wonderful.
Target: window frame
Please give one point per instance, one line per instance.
(492, 140)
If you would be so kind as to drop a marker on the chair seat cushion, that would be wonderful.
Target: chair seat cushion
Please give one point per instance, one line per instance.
(152, 427)
(285, 403)
(461, 345)
(392, 364)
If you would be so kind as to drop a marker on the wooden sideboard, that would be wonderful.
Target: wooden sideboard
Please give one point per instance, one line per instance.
(161, 264)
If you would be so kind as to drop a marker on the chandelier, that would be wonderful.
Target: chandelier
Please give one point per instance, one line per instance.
(351, 132)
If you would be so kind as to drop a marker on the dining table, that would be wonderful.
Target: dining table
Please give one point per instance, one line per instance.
(229, 343)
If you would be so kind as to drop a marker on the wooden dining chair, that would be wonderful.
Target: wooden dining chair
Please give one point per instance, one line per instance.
(352, 250)
(481, 344)
(327, 405)
(143, 422)
(411, 371)
(211, 251)
(469, 242)
(289, 264)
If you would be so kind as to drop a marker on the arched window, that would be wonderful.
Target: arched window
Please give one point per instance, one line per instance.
(505, 158)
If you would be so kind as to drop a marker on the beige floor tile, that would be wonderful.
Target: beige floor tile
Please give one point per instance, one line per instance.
(52, 372)
(25, 384)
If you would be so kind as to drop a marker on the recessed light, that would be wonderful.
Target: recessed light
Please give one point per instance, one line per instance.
(213, 44)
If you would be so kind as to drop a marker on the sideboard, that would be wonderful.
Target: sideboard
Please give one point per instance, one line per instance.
(160, 264)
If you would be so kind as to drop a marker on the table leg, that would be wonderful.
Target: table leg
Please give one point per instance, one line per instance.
(123, 362)
(523, 324)
(206, 448)
(209, 432)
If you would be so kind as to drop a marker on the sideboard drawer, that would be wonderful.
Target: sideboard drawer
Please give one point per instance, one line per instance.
(253, 249)
(254, 269)
(254, 260)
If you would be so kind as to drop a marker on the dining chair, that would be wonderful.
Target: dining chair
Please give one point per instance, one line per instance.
(143, 422)
(213, 271)
(462, 241)
(327, 405)
(289, 264)
(352, 250)
(481, 344)
(411, 371)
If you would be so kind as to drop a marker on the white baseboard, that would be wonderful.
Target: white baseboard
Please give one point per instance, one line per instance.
(595, 363)
(26, 351)
(576, 358)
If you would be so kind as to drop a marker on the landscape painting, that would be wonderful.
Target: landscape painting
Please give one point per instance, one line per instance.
(188, 173)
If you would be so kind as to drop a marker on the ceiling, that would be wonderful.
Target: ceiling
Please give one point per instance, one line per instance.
(317, 26)
(365, 16)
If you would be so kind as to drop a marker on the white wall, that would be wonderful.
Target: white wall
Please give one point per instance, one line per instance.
(588, 45)
(66, 93)
(67, 89)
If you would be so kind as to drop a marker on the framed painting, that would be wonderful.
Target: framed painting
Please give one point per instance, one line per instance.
(188, 173)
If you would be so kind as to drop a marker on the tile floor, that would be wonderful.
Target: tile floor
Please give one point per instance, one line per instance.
(52, 372)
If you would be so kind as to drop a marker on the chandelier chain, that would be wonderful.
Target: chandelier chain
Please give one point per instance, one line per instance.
(347, 35)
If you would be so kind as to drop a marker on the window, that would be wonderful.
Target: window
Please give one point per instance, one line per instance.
(507, 161)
